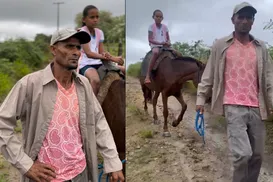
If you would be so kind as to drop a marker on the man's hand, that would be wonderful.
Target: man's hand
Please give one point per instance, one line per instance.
(200, 108)
(117, 176)
(41, 172)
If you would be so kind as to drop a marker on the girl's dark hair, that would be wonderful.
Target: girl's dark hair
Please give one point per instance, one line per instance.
(157, 10)
(85, 11)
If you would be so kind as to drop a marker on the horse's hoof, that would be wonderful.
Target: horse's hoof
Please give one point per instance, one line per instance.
(166, 134)
(156, 121)
(175, 123)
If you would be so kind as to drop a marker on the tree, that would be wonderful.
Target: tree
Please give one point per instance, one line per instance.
(197, 50)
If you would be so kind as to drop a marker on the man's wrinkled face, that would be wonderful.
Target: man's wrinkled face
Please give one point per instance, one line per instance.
(67, 53)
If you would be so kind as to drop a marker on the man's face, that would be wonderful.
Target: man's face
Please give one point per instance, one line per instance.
(243, 21)
(67, 53)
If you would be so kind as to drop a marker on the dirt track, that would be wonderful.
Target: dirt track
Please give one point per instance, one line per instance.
(181, 157)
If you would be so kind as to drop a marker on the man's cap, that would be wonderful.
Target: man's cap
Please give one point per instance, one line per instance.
(243, 5)
(66, 33)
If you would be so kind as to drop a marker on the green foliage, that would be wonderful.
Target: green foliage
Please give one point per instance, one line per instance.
(19, 57)
(134, 69)
(20, 69)
(197, 50)
(270, 49)
(6, 84)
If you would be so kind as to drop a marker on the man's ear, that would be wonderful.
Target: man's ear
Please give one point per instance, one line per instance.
(232, 19)
(53, 50)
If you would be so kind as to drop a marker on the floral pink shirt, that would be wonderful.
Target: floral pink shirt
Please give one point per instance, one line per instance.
(62, 146)
(241, 79)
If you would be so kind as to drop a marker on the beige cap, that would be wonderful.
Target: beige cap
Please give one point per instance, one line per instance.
(66, 33)
(239, 7)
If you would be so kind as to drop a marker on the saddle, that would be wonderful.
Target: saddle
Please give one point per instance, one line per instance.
(108, 73)
(163, 53)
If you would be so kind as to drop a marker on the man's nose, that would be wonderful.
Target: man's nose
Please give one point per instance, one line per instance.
(76, 52)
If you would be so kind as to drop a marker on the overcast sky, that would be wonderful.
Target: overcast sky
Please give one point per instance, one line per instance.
(188, 20)
(26, 18)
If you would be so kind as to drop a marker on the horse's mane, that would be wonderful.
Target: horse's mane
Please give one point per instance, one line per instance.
(190, 59)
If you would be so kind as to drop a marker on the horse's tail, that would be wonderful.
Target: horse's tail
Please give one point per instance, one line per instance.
(147, 93)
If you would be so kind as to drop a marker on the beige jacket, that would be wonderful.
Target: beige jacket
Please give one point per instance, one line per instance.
(32, 101)
(212, 81)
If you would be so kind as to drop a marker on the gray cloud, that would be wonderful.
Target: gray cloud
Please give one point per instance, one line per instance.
(34, 16)
(188, 21)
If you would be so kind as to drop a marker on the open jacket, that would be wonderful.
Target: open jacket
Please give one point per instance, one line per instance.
(212, 81)
(32, 101)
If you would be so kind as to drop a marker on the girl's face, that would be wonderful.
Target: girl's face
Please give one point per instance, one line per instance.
(158, 17)
(92, 18)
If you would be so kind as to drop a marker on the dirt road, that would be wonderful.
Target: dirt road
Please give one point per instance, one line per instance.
(181, 157)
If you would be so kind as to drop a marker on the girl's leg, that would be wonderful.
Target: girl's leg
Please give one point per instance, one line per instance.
(155, 52)
(94, 79)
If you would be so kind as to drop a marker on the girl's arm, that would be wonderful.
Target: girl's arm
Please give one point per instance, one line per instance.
(91, 54)
(168, 38)
(109, 57)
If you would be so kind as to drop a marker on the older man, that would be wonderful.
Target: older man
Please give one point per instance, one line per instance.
(62, 121)
(239, 73)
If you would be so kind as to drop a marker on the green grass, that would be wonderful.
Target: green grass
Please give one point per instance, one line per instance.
(137, 112)
(3, 177)
(146, 134)
(4, 173)
(18, 128)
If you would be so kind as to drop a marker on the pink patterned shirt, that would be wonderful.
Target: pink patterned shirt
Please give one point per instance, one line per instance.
(62, 146)
(241, 79)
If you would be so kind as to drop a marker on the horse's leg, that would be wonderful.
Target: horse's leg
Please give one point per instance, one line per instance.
(145, 105)
(166, 132)
(155, 98)
(145, 95)
(179, 97)
(145, 102)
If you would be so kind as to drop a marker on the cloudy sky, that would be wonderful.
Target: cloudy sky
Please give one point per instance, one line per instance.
(26, 18)
(188, 20)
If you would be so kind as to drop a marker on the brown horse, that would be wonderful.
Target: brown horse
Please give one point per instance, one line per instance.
(113, 105)
(167, 79)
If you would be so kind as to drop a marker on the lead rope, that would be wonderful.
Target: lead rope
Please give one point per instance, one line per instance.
(200, 127)
(100, 166)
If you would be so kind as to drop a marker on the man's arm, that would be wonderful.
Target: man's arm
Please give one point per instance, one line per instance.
(105, 141)
(205, 86)
(11, 110)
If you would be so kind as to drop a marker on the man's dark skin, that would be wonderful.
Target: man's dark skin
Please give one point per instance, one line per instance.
(66, 55)
(243, 21)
